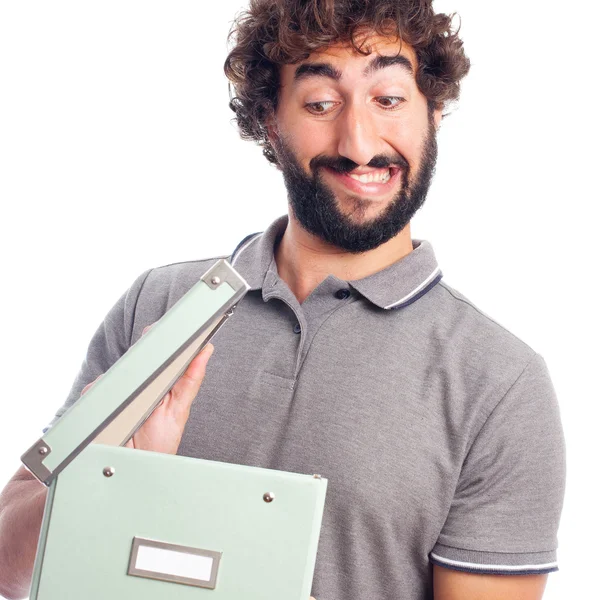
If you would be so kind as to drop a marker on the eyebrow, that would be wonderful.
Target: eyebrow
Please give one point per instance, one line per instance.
(320, 69)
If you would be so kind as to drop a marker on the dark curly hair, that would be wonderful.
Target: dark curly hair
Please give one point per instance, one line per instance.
(275, 32)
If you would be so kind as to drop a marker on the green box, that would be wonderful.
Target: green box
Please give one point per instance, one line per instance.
(126, 523)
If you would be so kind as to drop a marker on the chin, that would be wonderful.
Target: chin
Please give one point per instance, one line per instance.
(362, 210)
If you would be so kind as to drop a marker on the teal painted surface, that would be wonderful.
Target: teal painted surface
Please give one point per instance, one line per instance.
(136, 366)
(268, 548)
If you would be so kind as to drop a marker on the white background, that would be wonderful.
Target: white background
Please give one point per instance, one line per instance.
(117, 154)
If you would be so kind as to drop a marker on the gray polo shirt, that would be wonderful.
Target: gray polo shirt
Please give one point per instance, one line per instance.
(438, 430)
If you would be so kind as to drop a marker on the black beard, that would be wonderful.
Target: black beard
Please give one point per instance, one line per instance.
(315, 207)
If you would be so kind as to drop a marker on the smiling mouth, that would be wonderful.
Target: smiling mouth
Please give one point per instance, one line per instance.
(373, 183)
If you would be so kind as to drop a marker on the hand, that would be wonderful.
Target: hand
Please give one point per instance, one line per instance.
(163, 429)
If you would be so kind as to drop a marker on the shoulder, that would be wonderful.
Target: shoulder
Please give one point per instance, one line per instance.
(479, 358)
(175, 279)
(159, 288)
(472, 330)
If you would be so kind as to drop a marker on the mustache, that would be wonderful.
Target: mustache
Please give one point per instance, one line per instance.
(341, 164)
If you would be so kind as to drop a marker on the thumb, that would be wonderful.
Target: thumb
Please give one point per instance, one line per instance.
(185, 390)
(147, 328)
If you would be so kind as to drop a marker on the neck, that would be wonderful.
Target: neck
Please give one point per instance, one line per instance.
(304, 260)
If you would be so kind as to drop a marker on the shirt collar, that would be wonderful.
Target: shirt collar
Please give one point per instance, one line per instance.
(394, 287)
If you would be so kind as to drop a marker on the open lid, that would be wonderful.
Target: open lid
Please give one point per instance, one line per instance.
(112, 410)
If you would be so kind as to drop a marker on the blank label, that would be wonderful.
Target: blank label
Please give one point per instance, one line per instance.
(152, 559)
(175, 563)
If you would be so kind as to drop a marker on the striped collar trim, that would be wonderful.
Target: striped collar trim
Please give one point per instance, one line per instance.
(420, 290)
(392, 288)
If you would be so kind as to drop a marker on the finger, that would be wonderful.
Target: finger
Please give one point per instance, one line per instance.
(185, 390)
(89, 385)
(147, 328)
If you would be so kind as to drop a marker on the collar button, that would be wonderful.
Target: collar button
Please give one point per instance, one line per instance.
(342, 294)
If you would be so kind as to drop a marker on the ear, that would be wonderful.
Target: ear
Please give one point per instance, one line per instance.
(273, 134)
(272, 129)
(437, 118)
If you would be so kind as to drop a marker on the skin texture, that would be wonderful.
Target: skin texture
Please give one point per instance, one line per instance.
(21, 509)
(454, 585)
(315, 207)
(162, 431)
(357, 126)
(353, 124)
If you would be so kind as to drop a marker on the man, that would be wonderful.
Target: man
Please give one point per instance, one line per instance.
(438, 430)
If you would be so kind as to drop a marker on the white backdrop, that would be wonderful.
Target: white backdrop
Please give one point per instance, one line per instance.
(117, 154)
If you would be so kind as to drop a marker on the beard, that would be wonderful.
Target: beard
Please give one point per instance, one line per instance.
(315, 207)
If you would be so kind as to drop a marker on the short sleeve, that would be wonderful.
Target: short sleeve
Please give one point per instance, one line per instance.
(505, 513)
(111, 340)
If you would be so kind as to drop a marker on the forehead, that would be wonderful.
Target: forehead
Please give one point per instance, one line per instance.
(348, 61)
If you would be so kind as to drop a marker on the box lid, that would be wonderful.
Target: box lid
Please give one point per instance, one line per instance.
(124, 397)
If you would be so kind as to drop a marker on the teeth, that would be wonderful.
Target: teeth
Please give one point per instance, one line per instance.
(376, 176)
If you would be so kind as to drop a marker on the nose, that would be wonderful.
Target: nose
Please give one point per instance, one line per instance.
(357, 134)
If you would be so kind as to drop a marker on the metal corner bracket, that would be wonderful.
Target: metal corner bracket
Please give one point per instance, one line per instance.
(34, 458)
(223, 272)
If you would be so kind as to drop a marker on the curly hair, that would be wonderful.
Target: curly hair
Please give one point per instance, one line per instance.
(276, 32)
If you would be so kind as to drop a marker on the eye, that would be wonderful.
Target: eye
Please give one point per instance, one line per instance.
(318, 108)
(390, 102)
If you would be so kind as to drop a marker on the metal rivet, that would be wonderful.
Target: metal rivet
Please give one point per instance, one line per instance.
(215, 281)
(43, 450)
(108, 471)
(268, 497)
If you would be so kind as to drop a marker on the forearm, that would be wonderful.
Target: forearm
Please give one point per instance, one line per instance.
(21, 512)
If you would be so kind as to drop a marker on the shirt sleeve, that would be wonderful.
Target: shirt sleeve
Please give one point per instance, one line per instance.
(505, 512)
(111, 340)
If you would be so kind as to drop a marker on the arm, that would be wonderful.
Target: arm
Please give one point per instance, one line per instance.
(459, 585)
(21, 510)
(505, 513)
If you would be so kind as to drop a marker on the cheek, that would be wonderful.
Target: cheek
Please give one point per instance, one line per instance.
(313, 133)
(310, 139)
(408, 139)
